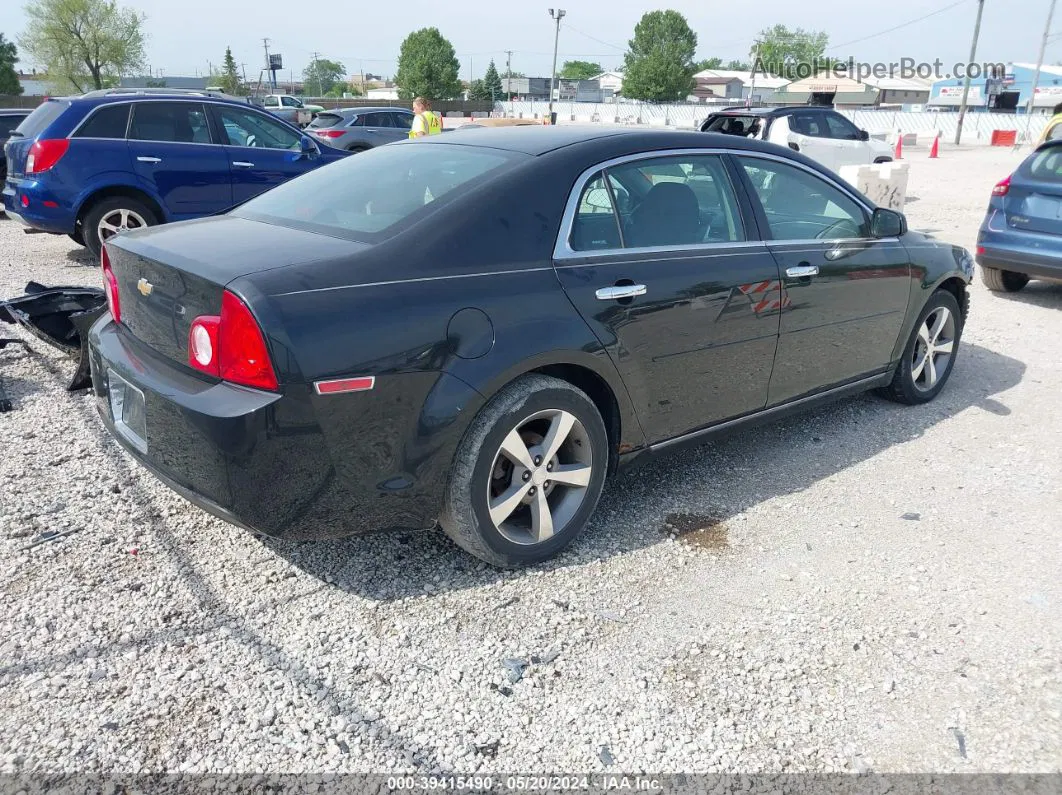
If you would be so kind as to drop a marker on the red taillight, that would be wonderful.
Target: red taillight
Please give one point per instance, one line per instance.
(1002, 187)
(110, 284)
(45, 154)
(329, 133)
(231, 347)
(980, 251)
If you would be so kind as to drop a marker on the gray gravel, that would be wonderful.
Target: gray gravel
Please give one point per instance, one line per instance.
(868, 587)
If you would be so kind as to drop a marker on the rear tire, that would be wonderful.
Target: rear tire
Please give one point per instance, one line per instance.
(1001, 281)
(77, 237)
(357, 149)
(528, 474)
(112, 215)
(929, 356)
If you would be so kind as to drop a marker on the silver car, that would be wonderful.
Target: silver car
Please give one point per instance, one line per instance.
(359, 129)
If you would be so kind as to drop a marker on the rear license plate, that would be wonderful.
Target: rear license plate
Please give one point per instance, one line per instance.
(128, 410)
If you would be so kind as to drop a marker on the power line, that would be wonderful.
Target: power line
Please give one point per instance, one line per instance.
(901, 25)
(594, 38)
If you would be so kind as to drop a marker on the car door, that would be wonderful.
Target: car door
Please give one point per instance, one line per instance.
(812, 138)
(403, 123)
(657, 254)
(852, 150)
(262, 153)
(176, 158)
(845, 292)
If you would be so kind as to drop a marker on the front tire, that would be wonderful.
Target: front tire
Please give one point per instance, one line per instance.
(110, 216)
(929, 356)
(1001, 281)
(528, 474)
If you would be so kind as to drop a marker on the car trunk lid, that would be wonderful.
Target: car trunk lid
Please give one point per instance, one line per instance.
(1033, 201)
(168, 276)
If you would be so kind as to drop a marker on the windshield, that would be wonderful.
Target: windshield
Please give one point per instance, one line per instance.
(374, 195)
(1045, 165)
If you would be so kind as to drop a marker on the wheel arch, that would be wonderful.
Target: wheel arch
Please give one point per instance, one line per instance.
(114, 191)
(957, 286)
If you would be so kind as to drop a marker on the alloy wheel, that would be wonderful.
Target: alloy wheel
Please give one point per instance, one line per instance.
(119, 220)
(539, 477)
(934, 347)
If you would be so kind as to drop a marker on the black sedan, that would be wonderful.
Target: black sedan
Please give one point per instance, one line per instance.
(477, 330)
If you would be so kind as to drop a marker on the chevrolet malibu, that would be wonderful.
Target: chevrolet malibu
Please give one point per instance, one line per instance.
(476, 331)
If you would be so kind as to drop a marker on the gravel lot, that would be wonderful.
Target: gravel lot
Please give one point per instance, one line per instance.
(877, 589)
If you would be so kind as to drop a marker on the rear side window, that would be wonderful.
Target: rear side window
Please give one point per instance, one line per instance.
(377, 193)
(170, 122)
(109, 121)
(1045, 166)
(38, 121)
(378, 120)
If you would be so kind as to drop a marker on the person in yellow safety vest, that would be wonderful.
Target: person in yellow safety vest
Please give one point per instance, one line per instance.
(425, 122)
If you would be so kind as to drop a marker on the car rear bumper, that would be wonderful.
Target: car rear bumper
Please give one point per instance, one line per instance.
(293, 465)
(35, 214)
(1037, 265)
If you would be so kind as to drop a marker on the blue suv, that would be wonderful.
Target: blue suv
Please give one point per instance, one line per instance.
(94, 165)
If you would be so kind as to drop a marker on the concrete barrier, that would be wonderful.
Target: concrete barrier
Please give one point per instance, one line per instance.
(885, 184)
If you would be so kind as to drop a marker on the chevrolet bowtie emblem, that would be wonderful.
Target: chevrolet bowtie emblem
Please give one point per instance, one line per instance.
(145, 287)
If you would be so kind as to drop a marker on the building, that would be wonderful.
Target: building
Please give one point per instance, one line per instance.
(827, 88)
(1007, 93)
(719, 88)
(900, 91)
(383, 93)
(34, 84)
(759, 88)
(167, 81)
(610, 81)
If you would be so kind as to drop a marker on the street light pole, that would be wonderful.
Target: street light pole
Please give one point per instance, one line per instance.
(1040, 63)
(966, 82)
(558, 15)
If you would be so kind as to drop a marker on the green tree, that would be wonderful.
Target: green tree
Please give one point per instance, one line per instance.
(321, 75)
(477, 90)
(513, 74)
(792, 54)
(9, 85)
(229, 77)
(710, 63)
(580, 70)
(736, 65)
(84, 43)
(492, 83)
(154, 82)
(427, 66)
(658, 66)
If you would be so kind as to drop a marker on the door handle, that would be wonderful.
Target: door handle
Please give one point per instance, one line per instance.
(802, 271)
(620, 291)
(242, 164)
(143, 159)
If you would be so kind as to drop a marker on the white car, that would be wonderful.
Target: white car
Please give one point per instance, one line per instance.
(821, 133)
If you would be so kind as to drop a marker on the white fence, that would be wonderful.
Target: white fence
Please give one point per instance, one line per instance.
(977, 127)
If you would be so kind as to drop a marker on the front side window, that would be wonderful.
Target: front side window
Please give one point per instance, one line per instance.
(659, 202)
(403, 121)
(109, 121)
(170, 122)
(378, 193)
(801, 206)
(291, 102)
(840, 127)
(256, 130)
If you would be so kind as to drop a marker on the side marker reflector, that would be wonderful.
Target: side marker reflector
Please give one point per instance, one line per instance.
(340, 385)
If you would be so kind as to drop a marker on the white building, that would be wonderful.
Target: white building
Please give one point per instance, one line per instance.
(609, 81)
(382, 93)
(760, 87)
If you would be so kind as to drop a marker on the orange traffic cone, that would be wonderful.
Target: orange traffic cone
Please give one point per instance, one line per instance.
(934, 150)
(899, 146)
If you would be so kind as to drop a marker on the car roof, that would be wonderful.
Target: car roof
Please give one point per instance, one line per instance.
(374, 109)
(540, 139)
(104, 96)
(779, 111)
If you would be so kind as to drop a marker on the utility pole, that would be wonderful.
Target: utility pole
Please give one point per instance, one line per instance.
(509, 79)
(1039, 63)
(966, 82)
(557, 15)
(272, 74)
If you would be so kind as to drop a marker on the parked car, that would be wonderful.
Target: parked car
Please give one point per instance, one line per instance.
(820, 133)
(1021, 235)
(358, 129)
(107, 161)
(10, 119)
(291, 109)
(480, 328)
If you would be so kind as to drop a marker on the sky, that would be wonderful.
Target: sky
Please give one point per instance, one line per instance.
(186, 36)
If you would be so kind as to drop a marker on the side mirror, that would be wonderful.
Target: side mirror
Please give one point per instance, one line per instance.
(887, 223)
(307, 146)
(864, 135)
(598, 199)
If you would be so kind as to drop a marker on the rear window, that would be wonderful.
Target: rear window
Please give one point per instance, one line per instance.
(109, 121)
(734, 125)
(9, 123)
(1045, 166)
(375, 194)
(326, 120)
(38, 121)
